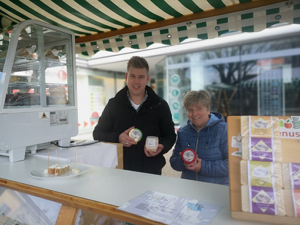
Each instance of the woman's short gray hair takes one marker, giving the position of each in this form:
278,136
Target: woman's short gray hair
194,97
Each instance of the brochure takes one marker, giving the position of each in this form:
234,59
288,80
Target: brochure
170,209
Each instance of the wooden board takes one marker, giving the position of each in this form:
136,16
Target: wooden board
67,215
120,155
290,153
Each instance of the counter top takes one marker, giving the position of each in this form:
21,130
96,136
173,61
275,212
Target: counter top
115,187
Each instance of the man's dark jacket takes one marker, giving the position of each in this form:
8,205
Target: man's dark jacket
153,119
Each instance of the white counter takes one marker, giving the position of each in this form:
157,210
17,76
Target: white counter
115,187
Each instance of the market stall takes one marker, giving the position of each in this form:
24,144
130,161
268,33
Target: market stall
49,105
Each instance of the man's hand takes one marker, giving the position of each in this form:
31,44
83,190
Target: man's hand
195,166
125,139
151,153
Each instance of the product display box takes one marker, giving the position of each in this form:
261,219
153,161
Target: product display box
290,143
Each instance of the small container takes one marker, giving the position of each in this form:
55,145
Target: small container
136,134
152,143
188,156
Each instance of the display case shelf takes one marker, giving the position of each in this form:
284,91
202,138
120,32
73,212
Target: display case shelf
27,63
23,85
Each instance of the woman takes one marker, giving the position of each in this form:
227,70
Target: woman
206,134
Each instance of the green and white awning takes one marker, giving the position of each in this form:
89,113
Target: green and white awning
253,20
114,24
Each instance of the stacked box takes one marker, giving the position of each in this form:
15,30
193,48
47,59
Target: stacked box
261,172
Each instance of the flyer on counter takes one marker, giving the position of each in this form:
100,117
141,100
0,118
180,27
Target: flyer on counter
170,209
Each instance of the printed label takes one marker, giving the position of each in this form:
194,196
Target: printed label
262,200
290,128
296,201
236,142
260,173
261,149
136,134
188,156
295,175
151,142
58,118
261,126
236,153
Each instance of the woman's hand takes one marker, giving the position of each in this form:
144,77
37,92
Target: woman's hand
194,166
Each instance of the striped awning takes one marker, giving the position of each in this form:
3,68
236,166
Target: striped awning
112,25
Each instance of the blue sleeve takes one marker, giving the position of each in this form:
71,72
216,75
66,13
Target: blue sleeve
175,160
217,168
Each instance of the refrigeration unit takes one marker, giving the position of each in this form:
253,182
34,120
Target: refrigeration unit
37,88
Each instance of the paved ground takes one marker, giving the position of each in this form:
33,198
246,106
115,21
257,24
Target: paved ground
168,170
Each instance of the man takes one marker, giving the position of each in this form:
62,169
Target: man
137,106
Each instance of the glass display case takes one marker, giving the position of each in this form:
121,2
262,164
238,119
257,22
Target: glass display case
37,88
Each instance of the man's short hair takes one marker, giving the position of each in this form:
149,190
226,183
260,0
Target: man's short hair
138,62
194,97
